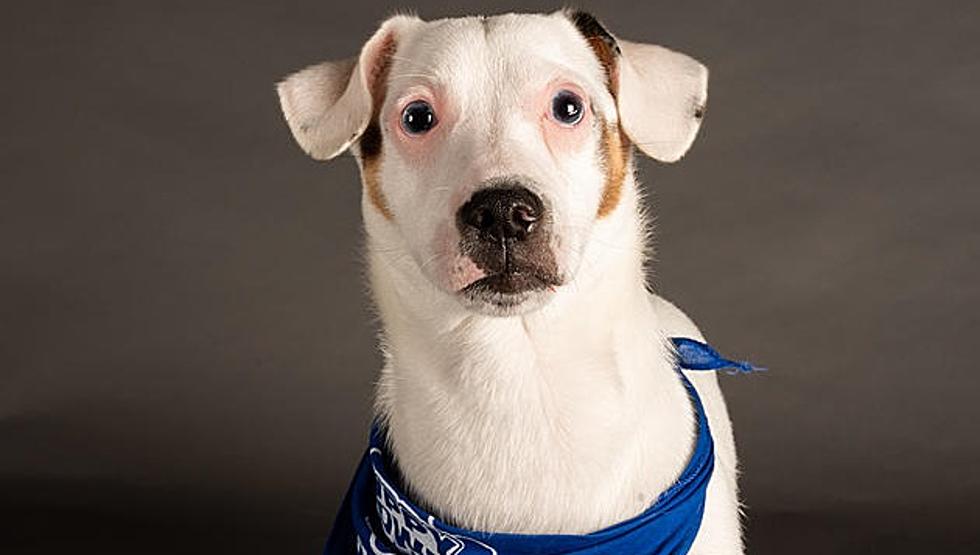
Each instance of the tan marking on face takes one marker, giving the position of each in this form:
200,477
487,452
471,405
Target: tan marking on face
615,146
371,140
610,63
371,167
615,154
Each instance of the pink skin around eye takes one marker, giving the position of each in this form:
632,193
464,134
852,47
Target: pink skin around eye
561,139
416,147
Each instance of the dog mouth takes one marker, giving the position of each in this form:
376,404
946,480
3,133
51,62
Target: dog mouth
509,288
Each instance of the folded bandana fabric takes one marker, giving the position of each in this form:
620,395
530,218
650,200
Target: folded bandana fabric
377,517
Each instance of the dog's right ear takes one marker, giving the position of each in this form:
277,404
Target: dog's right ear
328,105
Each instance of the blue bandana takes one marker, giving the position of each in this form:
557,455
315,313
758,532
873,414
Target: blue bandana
377,517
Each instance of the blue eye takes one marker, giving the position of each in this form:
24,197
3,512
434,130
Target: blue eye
567,107
418,118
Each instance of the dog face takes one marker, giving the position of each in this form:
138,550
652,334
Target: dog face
491,149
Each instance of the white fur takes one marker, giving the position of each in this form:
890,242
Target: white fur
563,415
662,90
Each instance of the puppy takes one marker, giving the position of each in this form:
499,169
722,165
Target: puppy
529,386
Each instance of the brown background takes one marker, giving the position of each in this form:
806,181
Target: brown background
187,357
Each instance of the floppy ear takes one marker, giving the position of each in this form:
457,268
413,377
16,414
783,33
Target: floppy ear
328,105
661,98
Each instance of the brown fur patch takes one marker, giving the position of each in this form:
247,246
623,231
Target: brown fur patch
370,144
609,58
615,147
602,43
615,154
370,167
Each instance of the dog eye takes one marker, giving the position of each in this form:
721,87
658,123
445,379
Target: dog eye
418,118
567,107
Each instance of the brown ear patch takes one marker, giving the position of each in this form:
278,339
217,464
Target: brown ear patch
370,145
603,44
614,150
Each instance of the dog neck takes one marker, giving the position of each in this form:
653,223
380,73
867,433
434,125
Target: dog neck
564,420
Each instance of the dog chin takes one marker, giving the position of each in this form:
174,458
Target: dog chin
510,294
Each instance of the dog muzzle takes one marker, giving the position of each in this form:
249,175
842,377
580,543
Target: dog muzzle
378,518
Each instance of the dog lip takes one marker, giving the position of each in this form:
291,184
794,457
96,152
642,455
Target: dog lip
511,282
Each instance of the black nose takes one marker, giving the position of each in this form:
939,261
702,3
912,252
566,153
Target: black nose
500,213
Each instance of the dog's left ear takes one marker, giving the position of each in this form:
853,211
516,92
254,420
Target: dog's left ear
661,94
662,98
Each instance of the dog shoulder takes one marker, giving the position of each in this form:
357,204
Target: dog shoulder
722,531
673,321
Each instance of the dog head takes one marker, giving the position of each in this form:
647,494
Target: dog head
492,149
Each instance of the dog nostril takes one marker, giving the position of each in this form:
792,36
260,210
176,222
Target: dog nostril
525,217
481,219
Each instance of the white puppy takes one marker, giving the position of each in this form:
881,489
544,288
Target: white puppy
529,386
